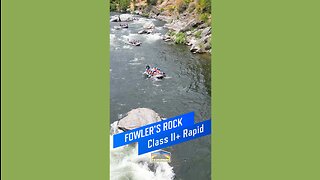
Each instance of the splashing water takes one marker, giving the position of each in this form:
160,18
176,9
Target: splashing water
126,164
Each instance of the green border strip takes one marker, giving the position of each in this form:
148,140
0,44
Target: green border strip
55,78
55,102
266,90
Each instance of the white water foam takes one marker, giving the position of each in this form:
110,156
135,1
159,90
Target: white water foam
135,61
150,38
159,28
112,39
141,21
126,164
127,47
134,64
130,37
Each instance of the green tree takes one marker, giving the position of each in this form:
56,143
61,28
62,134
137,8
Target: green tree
204,6
124,4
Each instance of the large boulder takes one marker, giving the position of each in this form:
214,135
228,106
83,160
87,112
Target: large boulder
126,17
165,18
137,118
137,12
191,24
166,38
198,47
183,25
191,40
115,18
148,25
175,25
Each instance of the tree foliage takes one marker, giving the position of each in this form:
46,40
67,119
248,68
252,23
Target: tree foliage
180,38
119,5
204,6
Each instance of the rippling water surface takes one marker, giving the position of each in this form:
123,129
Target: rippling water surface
186,88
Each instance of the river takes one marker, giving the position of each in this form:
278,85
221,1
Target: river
186,88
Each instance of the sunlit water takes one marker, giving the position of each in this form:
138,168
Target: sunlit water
186,88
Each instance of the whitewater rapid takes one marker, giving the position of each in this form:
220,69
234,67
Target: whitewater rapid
126,164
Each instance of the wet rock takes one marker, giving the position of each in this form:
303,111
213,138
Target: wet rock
117,27
137,12
148,25
137,118
198,47
194,48
166,38
145,31
126,17
115,18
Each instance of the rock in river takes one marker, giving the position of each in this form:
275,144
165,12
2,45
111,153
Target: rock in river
126,17
148,25
115,18
137,118
144,31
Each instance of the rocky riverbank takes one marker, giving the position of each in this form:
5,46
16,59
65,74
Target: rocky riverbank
186,23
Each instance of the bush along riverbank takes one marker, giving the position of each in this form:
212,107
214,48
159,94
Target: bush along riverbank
188,21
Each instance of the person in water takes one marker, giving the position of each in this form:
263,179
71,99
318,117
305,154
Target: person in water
148,69
153,71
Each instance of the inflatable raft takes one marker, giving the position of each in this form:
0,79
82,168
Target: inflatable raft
154,73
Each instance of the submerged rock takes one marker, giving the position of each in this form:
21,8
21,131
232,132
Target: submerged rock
144,31
137,118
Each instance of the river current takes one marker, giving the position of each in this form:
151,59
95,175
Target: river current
186,88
